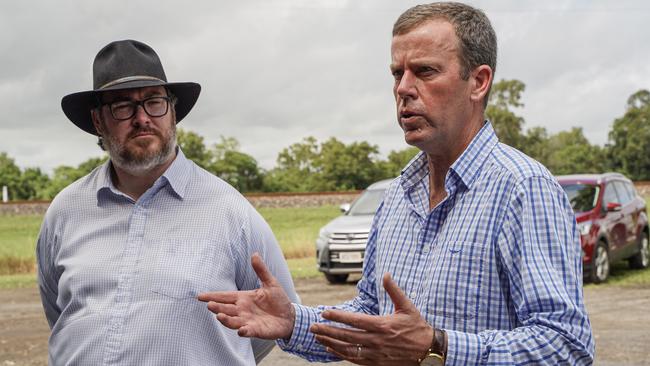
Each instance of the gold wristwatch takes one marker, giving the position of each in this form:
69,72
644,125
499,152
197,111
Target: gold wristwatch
436,355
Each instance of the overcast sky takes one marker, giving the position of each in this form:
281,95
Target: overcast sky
274,72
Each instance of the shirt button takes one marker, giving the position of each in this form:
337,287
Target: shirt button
425,250
413,295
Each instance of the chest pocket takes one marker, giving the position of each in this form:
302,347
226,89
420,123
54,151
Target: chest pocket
456,278
183,268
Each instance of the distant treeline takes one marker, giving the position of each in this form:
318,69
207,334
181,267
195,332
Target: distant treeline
313,166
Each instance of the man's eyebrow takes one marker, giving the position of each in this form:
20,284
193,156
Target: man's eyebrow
154,94
124,98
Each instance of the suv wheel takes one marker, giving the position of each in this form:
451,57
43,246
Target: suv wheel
600,265
336,278
642,258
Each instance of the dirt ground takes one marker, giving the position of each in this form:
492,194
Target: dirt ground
620,318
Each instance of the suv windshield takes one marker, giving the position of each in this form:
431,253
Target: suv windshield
367,203
583,197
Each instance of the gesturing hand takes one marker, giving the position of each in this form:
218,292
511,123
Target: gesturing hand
264,313
397,339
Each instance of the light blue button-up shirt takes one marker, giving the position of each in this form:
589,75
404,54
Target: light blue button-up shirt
497,264
119,278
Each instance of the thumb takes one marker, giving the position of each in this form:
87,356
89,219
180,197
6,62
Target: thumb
400,300
262,271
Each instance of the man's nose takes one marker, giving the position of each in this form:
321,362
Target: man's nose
141,115
405,88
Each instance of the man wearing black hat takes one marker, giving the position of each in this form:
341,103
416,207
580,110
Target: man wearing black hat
124,251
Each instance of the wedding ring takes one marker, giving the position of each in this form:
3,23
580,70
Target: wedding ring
359,351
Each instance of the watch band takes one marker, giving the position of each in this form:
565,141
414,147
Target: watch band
437,353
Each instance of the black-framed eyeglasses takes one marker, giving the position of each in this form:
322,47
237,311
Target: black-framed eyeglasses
126,109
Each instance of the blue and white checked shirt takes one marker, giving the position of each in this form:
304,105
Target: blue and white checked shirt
119,278
497,264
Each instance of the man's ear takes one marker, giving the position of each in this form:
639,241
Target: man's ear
94,114
481,78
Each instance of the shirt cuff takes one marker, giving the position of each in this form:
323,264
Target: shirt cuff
301,339
463,348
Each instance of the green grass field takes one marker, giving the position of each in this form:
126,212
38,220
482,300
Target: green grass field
18,242
297,228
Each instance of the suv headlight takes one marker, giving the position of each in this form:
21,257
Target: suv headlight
584,227
323,234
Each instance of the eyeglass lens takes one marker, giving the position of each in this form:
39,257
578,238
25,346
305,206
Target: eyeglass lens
154,107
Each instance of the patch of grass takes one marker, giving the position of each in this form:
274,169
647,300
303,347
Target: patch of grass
622,275
303,268
297,228
18,281
17,243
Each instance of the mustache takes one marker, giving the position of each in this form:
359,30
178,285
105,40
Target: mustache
140,130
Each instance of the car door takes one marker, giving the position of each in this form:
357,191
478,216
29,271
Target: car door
613,221
629,213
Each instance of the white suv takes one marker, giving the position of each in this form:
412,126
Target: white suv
342,242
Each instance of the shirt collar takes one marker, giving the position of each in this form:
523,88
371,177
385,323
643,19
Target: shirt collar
463,171
177,176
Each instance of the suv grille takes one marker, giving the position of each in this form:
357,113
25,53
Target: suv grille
348,238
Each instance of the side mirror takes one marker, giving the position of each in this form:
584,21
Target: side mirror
613,206
345,207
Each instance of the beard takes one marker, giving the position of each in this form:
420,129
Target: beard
139,160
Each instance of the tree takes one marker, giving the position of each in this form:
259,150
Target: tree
193,147
65,175
235,167
570,152
536,144
10,176
504,95
345,167
331,166
629,139
396,161
33,184
295,169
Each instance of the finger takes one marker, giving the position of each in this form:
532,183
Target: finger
245,331
231,322
262,271
226,297
227,309
370,323
399,298
351,336
347,351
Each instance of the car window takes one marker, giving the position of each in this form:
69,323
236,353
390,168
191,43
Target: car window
367,203
623,193
630,189
583,197
610,195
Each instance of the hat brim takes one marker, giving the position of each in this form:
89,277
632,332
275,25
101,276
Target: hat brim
77,106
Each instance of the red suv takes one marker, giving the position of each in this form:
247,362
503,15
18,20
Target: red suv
612,221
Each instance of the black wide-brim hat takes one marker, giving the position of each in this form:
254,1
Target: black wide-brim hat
121,65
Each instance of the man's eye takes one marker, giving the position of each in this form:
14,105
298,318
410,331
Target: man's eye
397,74
426,70
121,106
154,102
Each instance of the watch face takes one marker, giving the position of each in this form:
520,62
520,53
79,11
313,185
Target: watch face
432,360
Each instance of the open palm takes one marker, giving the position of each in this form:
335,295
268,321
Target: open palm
264,313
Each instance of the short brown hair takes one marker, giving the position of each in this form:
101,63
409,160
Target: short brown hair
477,39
